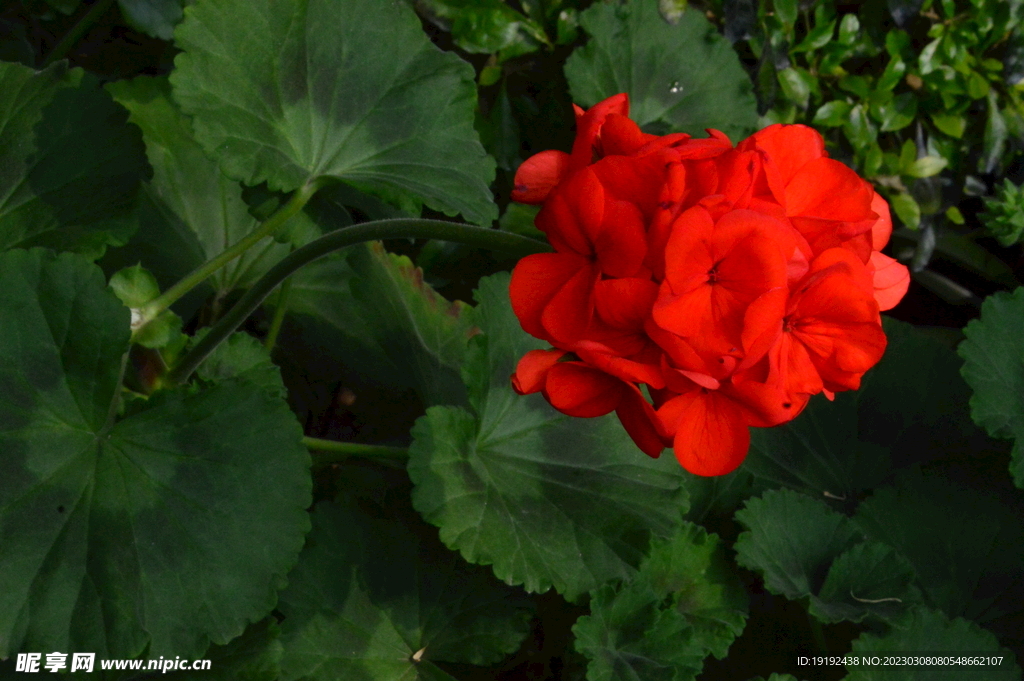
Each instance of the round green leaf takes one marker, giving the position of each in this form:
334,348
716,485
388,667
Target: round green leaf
546,499
924,632
792,540
684,604
190,210
69,166
868,579
370,599
169,529
994,368
684,75
295,91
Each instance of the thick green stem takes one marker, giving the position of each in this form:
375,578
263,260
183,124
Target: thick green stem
280,310
332,451
201,273
370,231
98,9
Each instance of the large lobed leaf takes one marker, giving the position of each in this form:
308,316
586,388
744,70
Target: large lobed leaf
684,76
685,603
170,528
994,368
295,91
548,500
69,166
371,600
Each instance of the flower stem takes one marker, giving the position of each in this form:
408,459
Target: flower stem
299,199
415,228
280,310
98,9
333,451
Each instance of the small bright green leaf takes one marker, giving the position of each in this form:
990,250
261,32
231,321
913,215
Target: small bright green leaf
242,356
370,599
685,603
685,75
868,579
994,140
894,72
994,368
160,332
848,29
897,42
134,286
796,85
70,166
484,26
352,90
954,215
926,166
817,37
394,327
672,10
977,85
169,529
924,631
898,113
791,539
786,11
833,114
154,17
859,129
976,576
548,500
906,209
190,210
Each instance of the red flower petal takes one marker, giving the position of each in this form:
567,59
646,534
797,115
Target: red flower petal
828,190
641,422
576,389
625,303
532,370
711,435
891,280
790,147
538,175
536,279
567,315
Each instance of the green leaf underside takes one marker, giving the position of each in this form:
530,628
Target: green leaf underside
393,327
546,499
684,604
326,102
910,408
994,368
190,210
368,595
171,528
69,166
967,547
684,75
923,632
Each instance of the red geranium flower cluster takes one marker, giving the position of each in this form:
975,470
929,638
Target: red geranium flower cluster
734,282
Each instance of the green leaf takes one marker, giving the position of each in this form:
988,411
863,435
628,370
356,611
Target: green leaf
547,499
353,90
502,138
71,167
370,599
833,114
134,286
817,37
190,211
951,124
975,576
153,17
994,140
859,129
786,11
849,27
169,529
868,579
685,603
923,631
899,112
791,540
393,327
253,656
926,166
796,85
994,368
242,356
684,75
906,209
